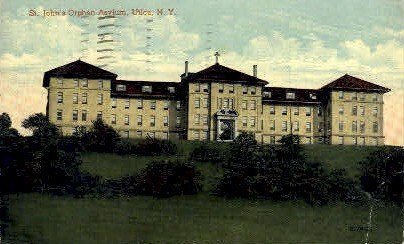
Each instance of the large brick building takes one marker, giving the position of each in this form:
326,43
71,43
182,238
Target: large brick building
216,103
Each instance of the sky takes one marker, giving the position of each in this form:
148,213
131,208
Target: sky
303,44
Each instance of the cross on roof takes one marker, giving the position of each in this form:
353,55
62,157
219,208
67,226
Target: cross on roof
217,57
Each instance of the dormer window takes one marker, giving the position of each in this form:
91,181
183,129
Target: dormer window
120,87
267,94
171,89
147,89
290,95
313,96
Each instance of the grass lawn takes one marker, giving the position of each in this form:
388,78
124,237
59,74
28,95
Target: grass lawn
201,218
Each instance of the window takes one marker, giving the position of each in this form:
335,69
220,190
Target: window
205,102
341,110
354,140
375,127
284,126
75,115
140,104
319,112
296,110
308,111
99,115
231,88
197,103
127,103
308,140
221,88
354,126
272,139
197,118
139,133
147,89
75,98
165,120
113,119
362,110
204,135
126,120
374,141
341,95
308,127
139,120
153,104
113,102
374,111
266,94
171,89
197,88
100,85
244,90
60,81
196,135
253,104
120,87
313,96
166,103
361,141
205,119
84,83
152,121
253,90
165,135
361,96
272,110
178,122
355,110
244,120
296,126
99,99
341,126
244,104
76,83
362,127
272,125
340,140
252,122
290,95
204,87
125,134
151,134
84,98
225,103
284,110
375,97
84,115
231,101
354,98
60,97
178,105
59,114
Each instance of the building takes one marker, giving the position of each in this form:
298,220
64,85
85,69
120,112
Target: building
216,103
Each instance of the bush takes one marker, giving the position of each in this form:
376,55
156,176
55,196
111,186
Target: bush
158,179
206,153
100,138
154,147
124,148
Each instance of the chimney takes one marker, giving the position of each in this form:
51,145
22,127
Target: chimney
186,68
255,70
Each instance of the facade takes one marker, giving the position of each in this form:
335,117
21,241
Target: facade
216,103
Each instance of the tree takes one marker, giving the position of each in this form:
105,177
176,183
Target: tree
101,137
5,127
41,127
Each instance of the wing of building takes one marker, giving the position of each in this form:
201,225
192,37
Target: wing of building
216,103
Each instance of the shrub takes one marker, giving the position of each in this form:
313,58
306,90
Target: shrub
100,138
206,153
153,147
124,148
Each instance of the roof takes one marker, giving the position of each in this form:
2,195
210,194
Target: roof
348,82
77,69
218,72
134,89
278,95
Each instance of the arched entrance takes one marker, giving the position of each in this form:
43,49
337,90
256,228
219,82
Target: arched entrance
226,124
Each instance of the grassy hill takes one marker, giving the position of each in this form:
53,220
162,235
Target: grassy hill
200,218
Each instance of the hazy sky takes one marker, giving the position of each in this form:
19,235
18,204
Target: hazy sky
294,43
